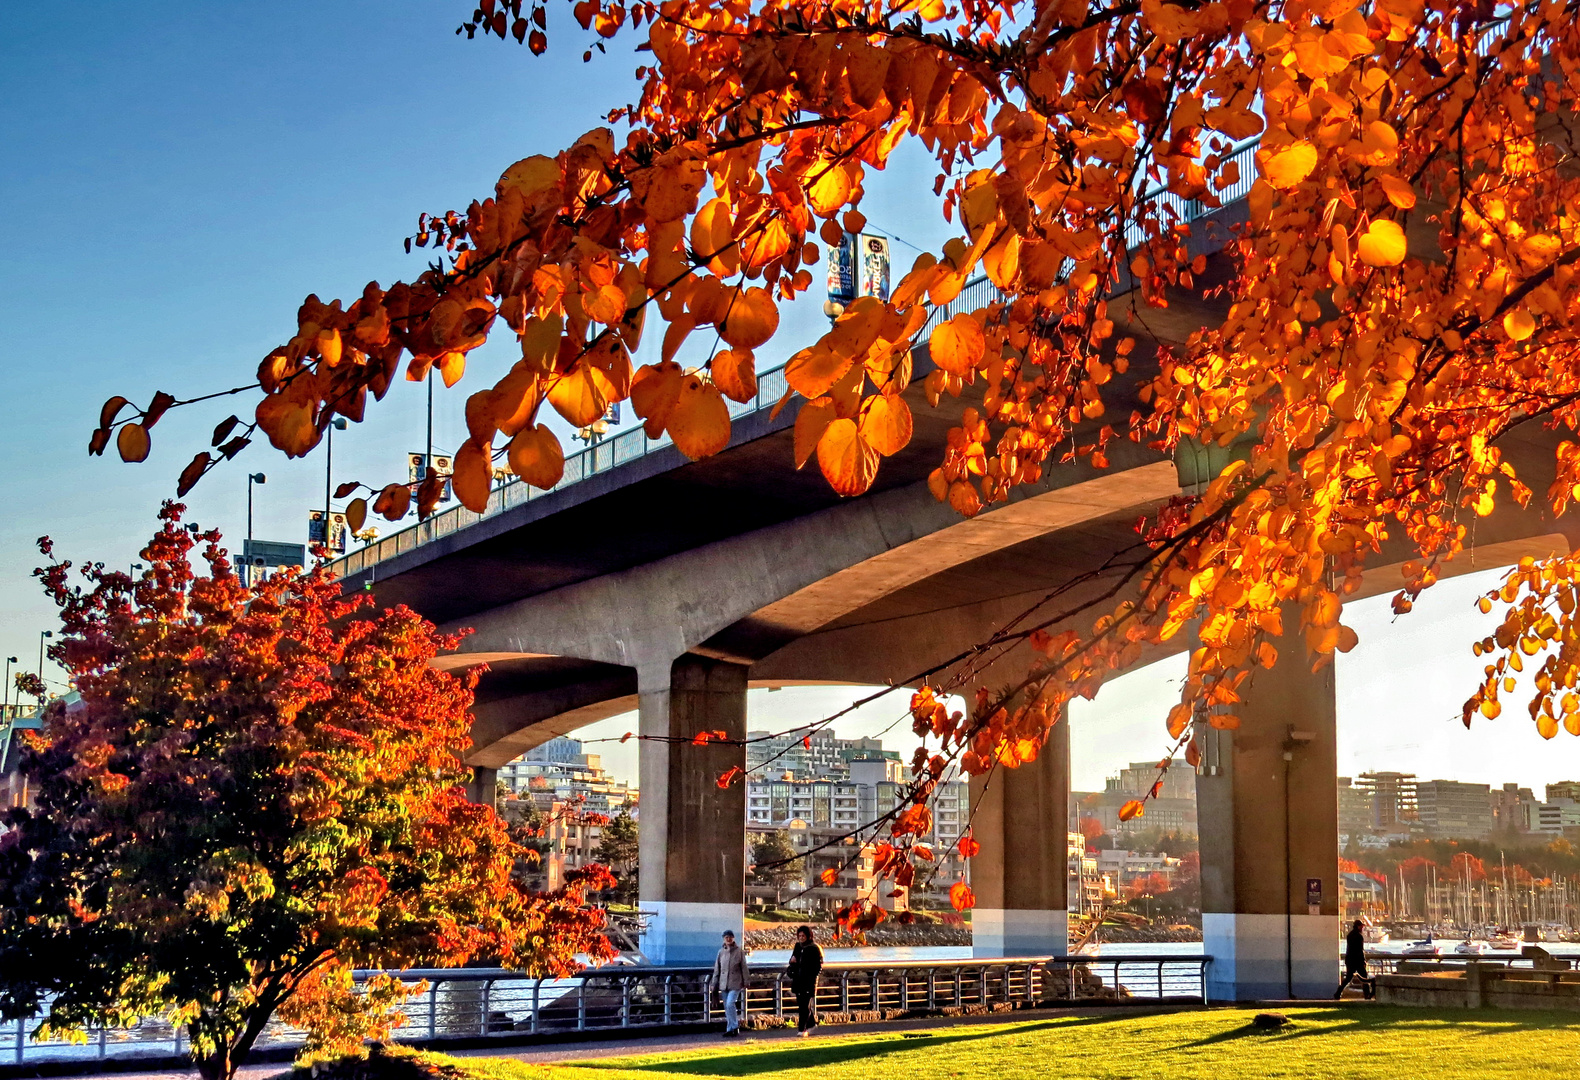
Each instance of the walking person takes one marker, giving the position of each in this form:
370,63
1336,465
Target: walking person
1355,961
729,975
806,963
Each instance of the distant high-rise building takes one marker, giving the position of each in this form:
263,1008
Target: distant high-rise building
1355,809
1392,797
819,755
1448,808
1565,791
1508,808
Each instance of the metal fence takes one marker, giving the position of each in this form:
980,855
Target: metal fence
493,1003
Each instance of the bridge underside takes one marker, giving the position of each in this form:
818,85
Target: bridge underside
671,587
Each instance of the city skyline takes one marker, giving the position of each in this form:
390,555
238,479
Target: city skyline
1399,694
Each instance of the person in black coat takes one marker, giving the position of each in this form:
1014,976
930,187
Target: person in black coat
1355,960
806,963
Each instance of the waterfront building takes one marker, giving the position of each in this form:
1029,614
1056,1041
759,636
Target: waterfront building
819,755
1449,808
1508,807
1393,803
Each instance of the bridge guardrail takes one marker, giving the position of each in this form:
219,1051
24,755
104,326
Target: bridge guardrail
473,1003
630,445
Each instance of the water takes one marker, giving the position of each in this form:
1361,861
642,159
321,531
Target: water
872,954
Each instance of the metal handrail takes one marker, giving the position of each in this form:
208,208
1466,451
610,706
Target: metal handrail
496,1003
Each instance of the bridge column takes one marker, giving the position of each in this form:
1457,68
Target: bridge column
1267,810
1021,877
692,833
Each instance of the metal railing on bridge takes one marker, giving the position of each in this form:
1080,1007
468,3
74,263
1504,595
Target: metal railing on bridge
630,445
494,1003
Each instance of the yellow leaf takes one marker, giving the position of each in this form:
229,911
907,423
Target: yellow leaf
1287,167
886,423
957,345
848,463
473,477
829,191
700,421
393,502
1382,244
536,456
356,514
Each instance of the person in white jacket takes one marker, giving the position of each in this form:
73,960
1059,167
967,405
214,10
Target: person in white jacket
729,975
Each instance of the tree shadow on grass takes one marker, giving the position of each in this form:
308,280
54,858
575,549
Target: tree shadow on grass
816,1055
1340,1020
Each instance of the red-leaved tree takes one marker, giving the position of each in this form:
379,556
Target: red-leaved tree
259,791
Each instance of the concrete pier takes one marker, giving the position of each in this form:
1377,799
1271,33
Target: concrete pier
1267,808
1020,817
692,833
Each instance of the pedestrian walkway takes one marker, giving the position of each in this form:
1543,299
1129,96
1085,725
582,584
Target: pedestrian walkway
640,1045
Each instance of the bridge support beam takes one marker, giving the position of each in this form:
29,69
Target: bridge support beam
1021,879
692,833
1267,808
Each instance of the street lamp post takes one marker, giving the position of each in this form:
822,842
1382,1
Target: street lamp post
252,478
5,702
42,634
329,465
136,566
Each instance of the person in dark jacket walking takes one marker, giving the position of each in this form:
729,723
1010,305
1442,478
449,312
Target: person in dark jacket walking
1355,961
806,963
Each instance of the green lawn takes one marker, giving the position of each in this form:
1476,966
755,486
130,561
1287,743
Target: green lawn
1361,1042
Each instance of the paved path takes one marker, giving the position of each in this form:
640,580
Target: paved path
570,1052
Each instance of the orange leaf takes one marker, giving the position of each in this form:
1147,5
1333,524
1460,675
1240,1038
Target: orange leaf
957,345
132,442
654,391
810,423
536,456
961,897
606,305
1131,810
730,776
393,502
576,396
886,423
849,464
813,370
473,477
752,319
735,374
967,846
700,421
829,876
356,514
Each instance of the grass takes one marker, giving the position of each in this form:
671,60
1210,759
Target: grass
1350,1043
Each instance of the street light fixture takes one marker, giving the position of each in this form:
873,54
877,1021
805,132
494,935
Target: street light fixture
42,634
252,478
5,702
339,423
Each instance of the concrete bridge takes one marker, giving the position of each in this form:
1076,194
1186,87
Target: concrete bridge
652,582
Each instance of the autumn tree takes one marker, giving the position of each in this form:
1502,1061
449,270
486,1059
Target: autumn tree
258,792
1394,301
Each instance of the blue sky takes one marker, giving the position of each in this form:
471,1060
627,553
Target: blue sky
178,176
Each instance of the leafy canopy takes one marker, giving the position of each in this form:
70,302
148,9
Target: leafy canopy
1397,300
258,792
